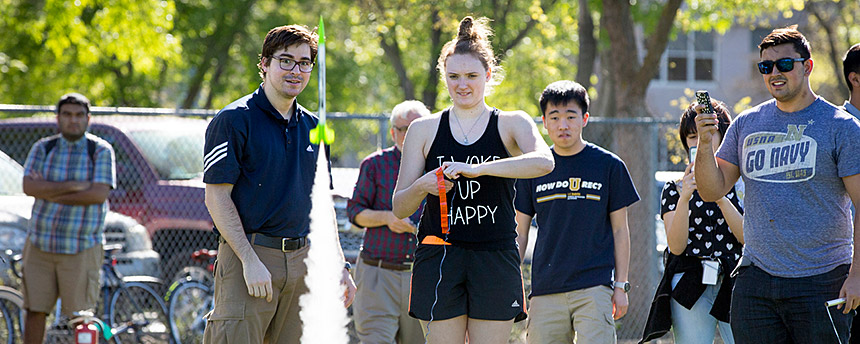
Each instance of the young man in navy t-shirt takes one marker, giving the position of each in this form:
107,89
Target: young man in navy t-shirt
581,211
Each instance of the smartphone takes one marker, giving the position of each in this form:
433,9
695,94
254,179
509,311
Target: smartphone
693,158
703,98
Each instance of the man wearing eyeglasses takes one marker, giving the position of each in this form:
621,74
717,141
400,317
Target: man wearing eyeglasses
384,269
799,156
259,168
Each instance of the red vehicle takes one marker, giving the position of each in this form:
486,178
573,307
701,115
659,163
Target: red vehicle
159,166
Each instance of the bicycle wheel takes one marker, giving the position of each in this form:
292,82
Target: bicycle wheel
138,306
7,326
11,302
189,301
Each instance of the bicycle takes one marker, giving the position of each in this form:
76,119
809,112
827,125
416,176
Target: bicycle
11,311
189,299
11,302
201,267
130,305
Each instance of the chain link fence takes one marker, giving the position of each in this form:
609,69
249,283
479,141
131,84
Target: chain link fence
159,162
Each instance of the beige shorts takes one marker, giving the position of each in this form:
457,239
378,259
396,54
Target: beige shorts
74,278
585,314
241,318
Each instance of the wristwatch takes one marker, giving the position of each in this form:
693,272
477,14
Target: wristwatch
623,285
347,266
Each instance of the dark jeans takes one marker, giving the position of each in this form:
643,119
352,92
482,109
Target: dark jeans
770,309
855,330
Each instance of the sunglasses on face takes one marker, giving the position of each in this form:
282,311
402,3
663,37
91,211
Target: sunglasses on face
783,65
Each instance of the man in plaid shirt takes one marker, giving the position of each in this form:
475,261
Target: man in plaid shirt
384,269
70,175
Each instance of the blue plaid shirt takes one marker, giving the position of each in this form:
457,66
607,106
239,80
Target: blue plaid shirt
69,229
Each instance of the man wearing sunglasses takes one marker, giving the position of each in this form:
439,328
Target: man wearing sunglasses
259,168
799,157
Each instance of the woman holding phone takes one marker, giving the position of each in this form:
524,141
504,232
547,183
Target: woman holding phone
705,243
466,276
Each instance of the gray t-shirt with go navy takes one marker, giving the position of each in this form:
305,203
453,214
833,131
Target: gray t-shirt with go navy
797,221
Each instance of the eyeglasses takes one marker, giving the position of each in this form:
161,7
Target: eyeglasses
289,64
401,129
783,65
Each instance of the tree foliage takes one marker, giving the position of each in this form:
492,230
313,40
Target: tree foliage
834,31
114,50
203,54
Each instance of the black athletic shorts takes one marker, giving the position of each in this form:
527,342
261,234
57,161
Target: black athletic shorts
486,285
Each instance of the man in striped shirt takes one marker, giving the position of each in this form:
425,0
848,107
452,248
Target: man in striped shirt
70,175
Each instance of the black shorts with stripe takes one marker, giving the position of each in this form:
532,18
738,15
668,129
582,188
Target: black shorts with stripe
486,285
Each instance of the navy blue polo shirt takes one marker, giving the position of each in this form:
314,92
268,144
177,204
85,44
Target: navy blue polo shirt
269,160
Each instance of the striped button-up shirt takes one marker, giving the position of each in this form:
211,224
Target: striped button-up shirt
374,190
69,229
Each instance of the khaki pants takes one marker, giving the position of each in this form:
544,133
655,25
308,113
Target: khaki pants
585,314
241,318
381,308
74,278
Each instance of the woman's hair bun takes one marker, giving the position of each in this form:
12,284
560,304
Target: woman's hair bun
466,33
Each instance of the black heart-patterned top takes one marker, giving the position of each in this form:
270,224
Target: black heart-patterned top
709,235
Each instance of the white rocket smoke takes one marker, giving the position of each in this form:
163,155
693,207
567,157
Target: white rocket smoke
322,312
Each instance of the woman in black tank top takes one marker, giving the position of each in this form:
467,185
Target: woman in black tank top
481,151
480,209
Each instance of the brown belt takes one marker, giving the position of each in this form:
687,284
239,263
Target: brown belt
385,265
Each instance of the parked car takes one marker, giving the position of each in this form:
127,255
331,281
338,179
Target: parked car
159,162
351,237
136,258
159,176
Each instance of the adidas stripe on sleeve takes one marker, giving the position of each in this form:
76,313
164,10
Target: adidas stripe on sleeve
220,162
215,155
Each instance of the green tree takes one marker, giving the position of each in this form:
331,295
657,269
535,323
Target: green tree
833,33
114,51
210,29
411,34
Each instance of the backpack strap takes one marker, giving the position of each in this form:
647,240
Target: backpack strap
91,148
49,146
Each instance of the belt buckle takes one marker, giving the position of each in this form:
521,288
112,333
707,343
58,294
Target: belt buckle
283,244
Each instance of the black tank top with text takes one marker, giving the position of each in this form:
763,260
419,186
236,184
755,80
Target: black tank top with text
480,210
